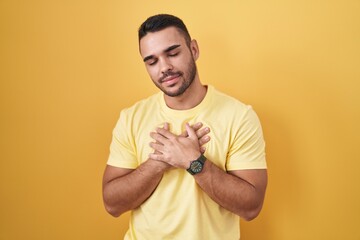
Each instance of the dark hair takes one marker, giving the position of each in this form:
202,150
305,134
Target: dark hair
161,21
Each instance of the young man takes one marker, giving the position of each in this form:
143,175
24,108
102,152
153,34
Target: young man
188,161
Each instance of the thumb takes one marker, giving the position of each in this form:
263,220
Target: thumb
190,131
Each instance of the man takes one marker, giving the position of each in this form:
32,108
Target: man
188,161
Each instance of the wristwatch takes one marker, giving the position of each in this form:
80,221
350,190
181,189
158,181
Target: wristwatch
197,165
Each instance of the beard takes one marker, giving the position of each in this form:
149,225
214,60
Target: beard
188,78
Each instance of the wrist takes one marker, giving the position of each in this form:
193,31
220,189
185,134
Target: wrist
196,166
158,166
188,159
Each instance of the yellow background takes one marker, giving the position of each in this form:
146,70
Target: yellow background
68,67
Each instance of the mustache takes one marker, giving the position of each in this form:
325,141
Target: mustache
168,74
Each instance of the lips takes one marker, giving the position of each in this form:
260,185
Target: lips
170,79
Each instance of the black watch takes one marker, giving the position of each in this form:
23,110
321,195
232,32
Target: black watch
197,165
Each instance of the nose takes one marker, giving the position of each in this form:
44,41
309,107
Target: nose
166,66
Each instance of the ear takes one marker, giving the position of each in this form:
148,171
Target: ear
194,48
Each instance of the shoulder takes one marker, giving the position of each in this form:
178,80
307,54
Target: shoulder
143,106
227,109
229,103
139,111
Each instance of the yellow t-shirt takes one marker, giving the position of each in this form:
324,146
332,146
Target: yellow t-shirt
178,208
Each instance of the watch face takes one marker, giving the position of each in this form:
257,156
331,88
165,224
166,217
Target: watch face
196,166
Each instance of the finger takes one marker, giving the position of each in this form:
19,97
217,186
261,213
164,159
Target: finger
158,137
157,147
166,126
184,134
202,150
190,131
164,132
204,140
202,132
195,126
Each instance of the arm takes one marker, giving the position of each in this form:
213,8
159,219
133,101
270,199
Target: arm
241,192
126,189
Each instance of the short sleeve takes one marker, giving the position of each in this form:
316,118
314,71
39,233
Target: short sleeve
122,147
247,149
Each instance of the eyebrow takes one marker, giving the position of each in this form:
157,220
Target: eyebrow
166,50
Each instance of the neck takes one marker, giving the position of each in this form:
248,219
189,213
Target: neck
189,99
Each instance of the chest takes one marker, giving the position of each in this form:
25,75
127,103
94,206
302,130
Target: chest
216,149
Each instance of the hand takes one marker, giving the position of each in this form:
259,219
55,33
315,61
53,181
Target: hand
175,150
163,165
201,134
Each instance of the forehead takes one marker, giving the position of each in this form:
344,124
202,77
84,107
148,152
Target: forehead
154,43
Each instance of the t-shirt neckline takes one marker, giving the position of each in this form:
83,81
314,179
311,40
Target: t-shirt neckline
188,112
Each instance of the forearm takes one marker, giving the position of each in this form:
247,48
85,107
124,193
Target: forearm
129,191
241,192
231,192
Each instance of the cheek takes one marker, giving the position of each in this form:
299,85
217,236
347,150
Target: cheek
183,63
152,73
150,70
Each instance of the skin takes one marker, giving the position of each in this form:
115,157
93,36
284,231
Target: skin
170,63
126,189
159,60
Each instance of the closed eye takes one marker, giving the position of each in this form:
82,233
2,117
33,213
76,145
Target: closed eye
173,54
152,63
